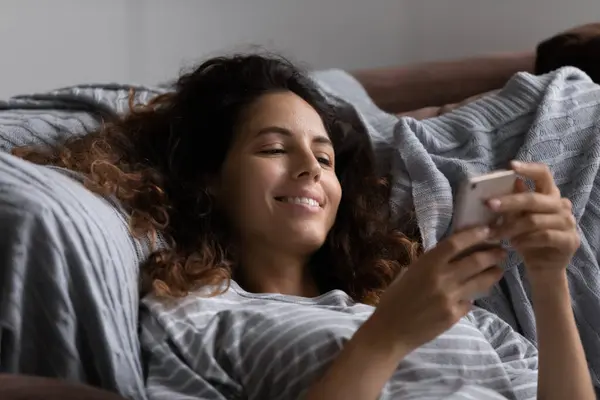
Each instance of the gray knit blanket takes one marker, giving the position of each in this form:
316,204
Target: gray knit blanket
86,307
552,119
69,266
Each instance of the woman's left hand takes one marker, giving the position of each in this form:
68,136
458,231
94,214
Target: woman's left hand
540,224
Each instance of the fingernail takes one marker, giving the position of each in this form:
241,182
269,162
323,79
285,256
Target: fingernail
485,231
516,164
494,204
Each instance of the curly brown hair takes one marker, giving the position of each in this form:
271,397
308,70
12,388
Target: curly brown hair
157,161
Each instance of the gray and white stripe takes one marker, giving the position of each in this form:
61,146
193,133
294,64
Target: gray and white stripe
257,346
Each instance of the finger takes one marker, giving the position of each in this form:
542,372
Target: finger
520,186
449,248
540,174
518,225
466,268
568,240
480,283
525,202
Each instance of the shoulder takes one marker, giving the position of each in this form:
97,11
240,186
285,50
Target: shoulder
188,316
207,300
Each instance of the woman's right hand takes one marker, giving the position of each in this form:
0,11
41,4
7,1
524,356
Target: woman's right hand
426,300
435,291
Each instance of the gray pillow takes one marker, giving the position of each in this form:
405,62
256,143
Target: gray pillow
68,281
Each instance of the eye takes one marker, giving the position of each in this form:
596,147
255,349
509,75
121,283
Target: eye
272,151
324,160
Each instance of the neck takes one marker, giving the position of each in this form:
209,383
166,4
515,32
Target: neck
274,272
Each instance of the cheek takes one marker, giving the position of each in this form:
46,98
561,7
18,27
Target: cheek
249,186
335,195
260,177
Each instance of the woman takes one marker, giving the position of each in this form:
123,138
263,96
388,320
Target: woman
276,225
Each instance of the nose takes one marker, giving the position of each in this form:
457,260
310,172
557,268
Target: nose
307,167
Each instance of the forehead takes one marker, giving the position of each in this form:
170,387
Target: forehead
283,109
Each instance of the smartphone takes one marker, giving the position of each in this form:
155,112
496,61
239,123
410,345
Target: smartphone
471,209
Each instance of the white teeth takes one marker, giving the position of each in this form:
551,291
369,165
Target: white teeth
301,200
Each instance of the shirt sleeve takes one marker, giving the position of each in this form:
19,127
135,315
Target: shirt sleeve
518,355
168,375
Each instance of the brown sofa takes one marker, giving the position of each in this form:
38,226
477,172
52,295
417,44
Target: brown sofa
20,387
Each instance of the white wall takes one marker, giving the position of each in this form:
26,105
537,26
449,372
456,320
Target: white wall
454,28
51,43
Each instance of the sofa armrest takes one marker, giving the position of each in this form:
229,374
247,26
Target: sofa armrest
411,87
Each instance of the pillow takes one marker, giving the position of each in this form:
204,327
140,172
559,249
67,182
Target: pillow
68,281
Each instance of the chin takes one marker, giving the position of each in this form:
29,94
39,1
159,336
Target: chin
309,236
313,245
308,242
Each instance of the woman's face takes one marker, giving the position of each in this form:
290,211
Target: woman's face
278,185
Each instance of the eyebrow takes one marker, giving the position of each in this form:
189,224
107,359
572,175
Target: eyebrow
286,132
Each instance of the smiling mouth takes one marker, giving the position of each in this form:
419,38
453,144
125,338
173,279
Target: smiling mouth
307,201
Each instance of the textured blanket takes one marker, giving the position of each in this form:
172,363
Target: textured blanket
549,119
68,263
46,118
553,119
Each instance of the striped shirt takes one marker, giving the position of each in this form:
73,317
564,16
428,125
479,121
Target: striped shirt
242,345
